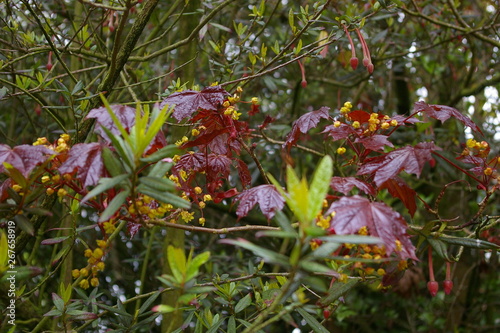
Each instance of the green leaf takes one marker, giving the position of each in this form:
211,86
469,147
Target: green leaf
25,224
104,185
267,255
145,306
319,186
470,242
113,309
315,325
164,308
194,265
338,289
440,247
314,267
276,234
111,163
160,169
114,205
351,239
214,328
231,325
77,88
58,302
177,262
164,197
243,303
122,148
160,154
158,184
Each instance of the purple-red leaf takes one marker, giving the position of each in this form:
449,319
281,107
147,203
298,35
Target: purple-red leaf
244,173
218,166
126,116
268,198
410,159
305,123
189,101
353,213
339,133
86,160
24,157
399,189
190,162
346,184
374,142
443,113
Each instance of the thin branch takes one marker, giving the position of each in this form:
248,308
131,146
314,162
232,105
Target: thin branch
222,231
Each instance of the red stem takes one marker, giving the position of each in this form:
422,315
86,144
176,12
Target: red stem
457,167
431,269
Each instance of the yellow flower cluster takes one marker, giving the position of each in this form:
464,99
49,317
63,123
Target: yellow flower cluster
95,265
373,122
183,140
346,108
231,111
146,205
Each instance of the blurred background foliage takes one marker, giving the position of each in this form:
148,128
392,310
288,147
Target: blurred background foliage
56,56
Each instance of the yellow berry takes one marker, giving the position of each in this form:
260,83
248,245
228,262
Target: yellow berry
61,192
337,124
84,272
75,273
100,266
488,171
201,221
202,204
17,188
198,190
101,243
56,178
381,271
84,284
394,122
356,124
94,282
45,179
385,125
341,150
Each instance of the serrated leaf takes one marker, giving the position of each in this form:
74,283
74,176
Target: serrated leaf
304,123
268,198
353,213
243,303
188,102
114,205
23,158
410,159
345,184
86,160
443,113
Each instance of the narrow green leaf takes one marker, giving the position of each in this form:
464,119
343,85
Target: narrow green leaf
111,163
25,224
214,328
123,149
160,169
167,151
195,264
165,197
314,267
158,184
470,242
440,247
115,119
276,234
113,309
177,262
231,325
351,239
338,289
58,302
145,306
77,88
114,205
267,255
319,186
315,325
104,185
243,303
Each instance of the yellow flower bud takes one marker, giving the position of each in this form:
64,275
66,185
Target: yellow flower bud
198,190
84,272
394,122
84,284
100,266
87,253
75,273
488,171
45,179
337,124
201,221
61,192
341,150
94,282
356,124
